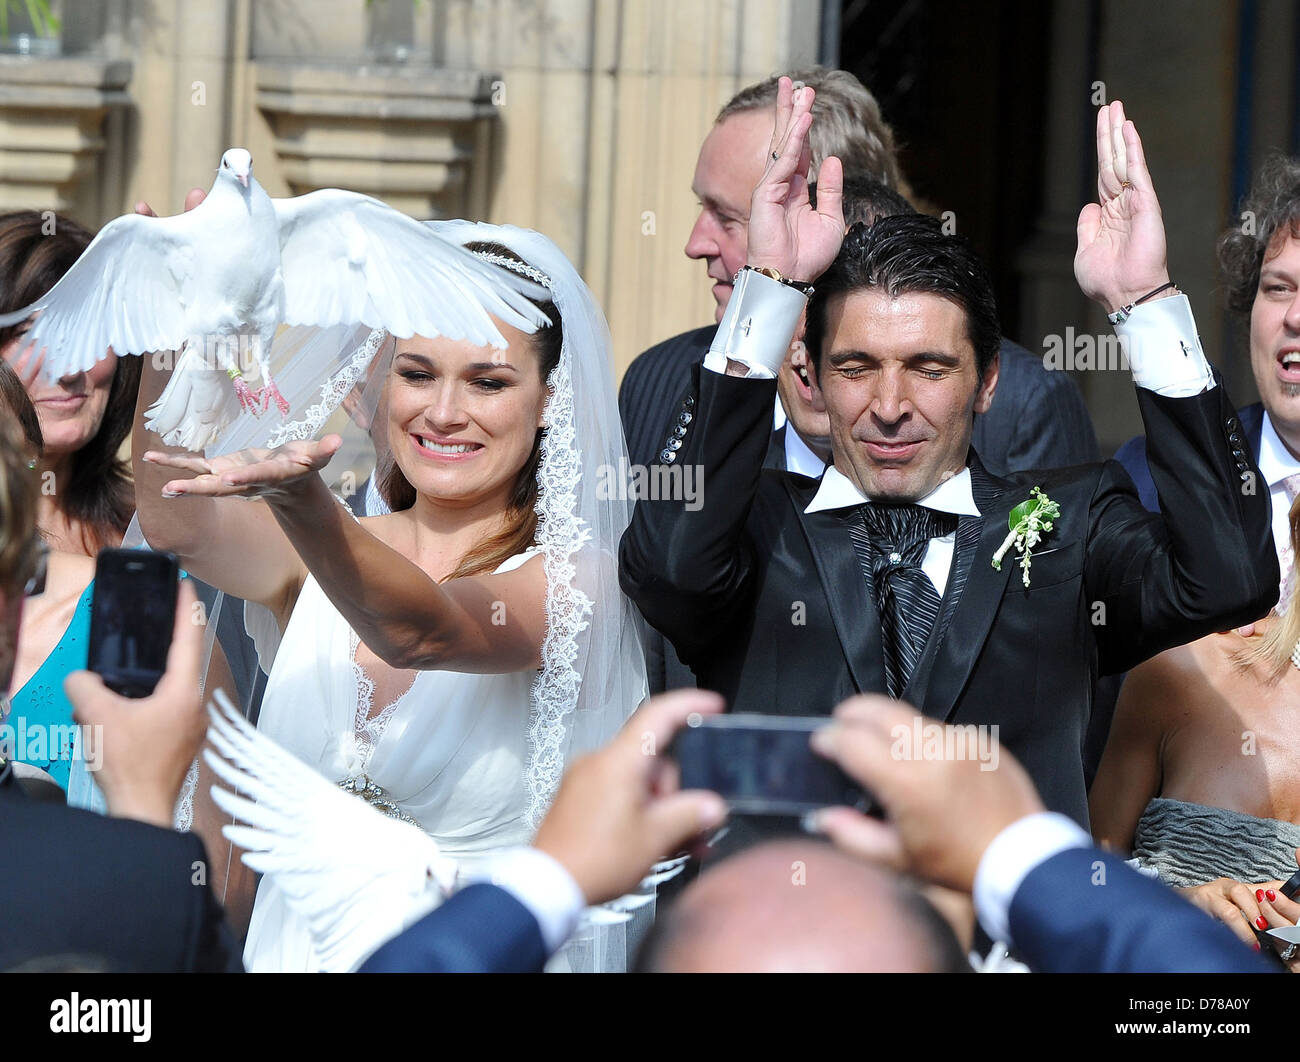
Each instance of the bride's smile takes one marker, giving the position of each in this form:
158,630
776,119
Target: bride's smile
463,419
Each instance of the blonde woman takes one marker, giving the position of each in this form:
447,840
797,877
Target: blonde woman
1200,780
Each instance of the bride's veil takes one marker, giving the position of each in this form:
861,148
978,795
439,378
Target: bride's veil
593,671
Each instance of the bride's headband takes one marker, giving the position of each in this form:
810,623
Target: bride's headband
522,268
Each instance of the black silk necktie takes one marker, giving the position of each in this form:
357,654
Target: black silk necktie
891,541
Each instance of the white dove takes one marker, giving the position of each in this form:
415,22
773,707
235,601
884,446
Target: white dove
240,264
358,876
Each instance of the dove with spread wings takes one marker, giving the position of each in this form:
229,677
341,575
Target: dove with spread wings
354,869
216,282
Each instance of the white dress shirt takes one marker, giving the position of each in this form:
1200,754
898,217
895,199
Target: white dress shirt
798,457
1159,337
1275,465
951,496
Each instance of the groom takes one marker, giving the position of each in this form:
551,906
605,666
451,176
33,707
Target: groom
788,594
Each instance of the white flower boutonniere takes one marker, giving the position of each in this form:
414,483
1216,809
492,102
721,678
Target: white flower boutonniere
1029,522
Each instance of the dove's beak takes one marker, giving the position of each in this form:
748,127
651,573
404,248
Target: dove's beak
242,178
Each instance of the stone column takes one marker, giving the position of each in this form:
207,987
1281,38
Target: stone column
603,107
52,115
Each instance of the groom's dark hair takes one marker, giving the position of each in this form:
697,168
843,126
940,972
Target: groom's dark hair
910,253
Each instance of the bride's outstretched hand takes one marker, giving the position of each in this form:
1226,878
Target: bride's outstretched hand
1121,254
786,232
269,474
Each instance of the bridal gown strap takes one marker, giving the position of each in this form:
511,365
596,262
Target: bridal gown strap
449,753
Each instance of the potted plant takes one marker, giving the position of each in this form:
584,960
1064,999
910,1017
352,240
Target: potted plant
28,27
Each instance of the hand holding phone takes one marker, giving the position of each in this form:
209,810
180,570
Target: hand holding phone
132,613
146,745
763,765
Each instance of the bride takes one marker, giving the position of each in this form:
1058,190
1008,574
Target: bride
443,660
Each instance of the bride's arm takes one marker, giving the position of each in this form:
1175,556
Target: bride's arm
233,544
484,624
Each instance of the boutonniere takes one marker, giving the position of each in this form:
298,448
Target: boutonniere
1029,522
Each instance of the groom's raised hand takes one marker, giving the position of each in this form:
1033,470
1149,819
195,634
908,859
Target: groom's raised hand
1121,254
786,232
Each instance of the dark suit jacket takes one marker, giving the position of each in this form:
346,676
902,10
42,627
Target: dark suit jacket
1133,454
1085,911
110,892
768,605
1037,420
481,929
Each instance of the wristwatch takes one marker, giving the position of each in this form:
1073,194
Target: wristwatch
804,289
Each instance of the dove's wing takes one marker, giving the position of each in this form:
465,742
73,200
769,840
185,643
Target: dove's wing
357,876
347,259
129,290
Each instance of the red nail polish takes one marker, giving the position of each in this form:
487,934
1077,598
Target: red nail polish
1262,922
1256,943
1271,895
1259,895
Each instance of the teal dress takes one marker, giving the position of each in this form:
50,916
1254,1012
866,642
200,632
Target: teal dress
41,714
43,732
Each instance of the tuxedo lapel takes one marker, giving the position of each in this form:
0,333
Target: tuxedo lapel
848,591
971,602
969,531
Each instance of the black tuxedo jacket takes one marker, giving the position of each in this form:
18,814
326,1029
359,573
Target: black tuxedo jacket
1133,454
768,605
81,888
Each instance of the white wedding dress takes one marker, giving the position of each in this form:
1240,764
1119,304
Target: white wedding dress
450,753
473,760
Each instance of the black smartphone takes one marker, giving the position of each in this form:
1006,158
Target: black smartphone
763,765
132,612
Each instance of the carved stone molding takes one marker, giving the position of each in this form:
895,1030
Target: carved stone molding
414,136
52,141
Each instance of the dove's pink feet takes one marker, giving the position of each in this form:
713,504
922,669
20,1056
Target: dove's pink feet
257,402
247,399
273,392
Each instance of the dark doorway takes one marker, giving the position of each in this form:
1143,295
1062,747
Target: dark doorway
963,85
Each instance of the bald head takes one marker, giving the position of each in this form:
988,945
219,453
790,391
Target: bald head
801,906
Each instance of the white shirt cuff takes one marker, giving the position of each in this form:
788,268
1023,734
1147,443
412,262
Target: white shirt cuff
1164,350
757,326
1006,863
541,884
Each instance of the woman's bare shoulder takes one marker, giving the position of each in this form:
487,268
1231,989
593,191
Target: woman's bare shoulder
68,572
1175,682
